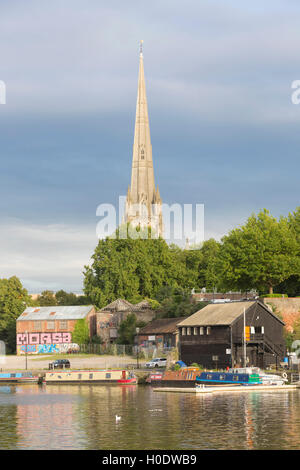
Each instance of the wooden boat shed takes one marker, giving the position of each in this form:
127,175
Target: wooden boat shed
214,336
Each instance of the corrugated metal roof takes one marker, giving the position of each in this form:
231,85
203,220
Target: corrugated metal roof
217,314
55,313
160,326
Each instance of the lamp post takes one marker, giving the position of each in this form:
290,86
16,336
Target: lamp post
137,348
26,347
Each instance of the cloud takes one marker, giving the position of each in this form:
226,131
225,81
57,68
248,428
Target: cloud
46,256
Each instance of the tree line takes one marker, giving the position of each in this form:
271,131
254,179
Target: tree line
263,254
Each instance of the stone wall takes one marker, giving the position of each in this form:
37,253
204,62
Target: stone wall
286,308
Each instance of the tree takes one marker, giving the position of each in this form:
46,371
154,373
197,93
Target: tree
68,298
127,329
208,275
13,301
259,255
291,286
177,302
129,269
47,299
81,334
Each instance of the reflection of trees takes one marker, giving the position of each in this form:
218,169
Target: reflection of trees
8,419
141,419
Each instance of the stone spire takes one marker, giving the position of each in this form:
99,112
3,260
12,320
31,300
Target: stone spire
142,193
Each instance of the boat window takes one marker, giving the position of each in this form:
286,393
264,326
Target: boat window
79,376
107,375
235,377
209,376
12,375
90,376
222,377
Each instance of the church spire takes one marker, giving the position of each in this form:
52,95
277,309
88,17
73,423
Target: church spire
142,188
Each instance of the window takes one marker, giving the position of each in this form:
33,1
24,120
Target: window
201,330
235,378
63,324
195,330
208,330
79,376
50,325
222,377
108,375
37,325
183,331
90,376
209,377
189,331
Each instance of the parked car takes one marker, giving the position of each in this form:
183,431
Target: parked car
157,362
60,364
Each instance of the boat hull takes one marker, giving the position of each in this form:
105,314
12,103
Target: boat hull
91,377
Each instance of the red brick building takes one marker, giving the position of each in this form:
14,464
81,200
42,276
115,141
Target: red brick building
44,330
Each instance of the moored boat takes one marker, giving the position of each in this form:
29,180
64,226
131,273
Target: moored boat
184,377
121,377
18,377
228,378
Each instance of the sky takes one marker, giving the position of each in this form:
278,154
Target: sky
224,130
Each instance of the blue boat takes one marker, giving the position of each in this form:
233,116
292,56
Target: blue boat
228,378
18,377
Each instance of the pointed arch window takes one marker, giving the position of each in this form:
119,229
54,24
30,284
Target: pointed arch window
142,154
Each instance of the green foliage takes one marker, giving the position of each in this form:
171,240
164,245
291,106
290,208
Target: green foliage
274,296
13,301
46,299
80,333
68,298
127,329
259,255
208,273
130,269
176,302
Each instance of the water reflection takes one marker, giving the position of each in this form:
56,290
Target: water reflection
84,417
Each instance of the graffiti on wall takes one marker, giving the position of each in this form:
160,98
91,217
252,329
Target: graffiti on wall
45,343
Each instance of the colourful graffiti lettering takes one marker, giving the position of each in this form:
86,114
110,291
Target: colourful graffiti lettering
47,348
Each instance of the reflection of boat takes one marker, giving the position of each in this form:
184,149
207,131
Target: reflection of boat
18,377
122,377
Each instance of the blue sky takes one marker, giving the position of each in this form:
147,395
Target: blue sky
224,130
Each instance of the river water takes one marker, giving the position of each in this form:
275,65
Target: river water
84,417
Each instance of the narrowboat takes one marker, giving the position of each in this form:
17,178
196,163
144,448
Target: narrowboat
228,378
120,377
18,377
184,377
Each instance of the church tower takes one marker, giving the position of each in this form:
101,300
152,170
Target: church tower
143,203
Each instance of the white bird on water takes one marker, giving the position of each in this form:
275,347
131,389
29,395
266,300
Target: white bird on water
118,418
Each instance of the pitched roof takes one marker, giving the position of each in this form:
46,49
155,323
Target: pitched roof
55,313
118,305
161,326
217,314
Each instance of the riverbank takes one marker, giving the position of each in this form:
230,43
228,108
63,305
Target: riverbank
82,361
